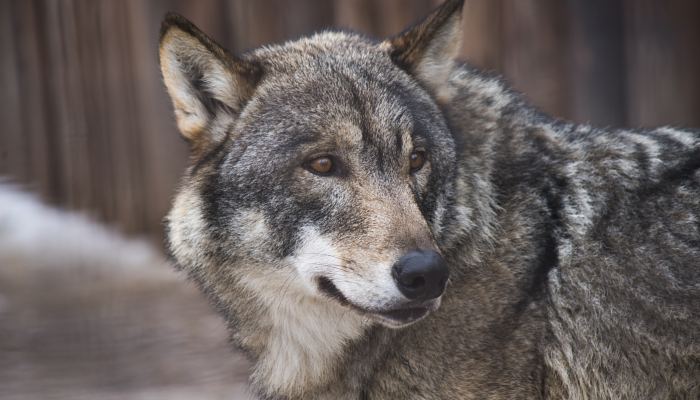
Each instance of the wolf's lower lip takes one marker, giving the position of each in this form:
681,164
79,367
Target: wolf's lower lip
405,315
398,316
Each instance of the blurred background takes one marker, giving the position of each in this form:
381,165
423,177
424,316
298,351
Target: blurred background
85,124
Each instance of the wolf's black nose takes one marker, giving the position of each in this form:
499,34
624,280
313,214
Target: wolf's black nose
421,275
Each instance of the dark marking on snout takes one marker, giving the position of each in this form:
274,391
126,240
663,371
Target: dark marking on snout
329,289
421,275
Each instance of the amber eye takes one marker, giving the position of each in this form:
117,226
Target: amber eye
417,159
321,165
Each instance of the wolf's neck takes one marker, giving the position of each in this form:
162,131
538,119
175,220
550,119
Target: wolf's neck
301,340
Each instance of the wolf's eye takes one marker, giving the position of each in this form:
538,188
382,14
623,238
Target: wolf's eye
417,159
321,165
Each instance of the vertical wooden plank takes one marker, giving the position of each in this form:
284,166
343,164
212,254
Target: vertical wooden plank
262,22
118,108
396,15
271,21
51,78
90,133
67,102
534,56
357,15
597,82
37,166
13,142
163,153
663,59
380,18
482,40
304,16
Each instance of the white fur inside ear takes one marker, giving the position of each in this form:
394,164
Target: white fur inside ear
181,57
433,68
190,113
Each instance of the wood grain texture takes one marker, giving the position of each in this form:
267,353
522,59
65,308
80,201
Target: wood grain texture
87,124
663,60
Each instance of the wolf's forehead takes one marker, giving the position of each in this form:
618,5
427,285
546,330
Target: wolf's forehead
331,99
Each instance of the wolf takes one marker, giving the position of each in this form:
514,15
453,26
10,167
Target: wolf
377,220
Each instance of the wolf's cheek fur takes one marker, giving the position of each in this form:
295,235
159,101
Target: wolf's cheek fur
363,278
315,258
185,227
305,333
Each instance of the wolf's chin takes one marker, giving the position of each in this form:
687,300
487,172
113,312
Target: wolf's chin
398,317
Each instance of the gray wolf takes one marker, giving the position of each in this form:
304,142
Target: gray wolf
376,220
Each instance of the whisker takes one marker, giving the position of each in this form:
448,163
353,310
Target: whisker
330,255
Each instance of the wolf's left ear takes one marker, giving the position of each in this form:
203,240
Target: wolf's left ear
202,78
428,49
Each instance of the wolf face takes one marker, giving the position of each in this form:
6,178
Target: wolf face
324,163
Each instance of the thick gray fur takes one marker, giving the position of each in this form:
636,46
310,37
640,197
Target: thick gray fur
573,251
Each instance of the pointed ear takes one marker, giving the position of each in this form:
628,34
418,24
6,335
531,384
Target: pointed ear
202,78
428,49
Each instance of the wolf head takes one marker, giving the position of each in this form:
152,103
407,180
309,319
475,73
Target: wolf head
321,167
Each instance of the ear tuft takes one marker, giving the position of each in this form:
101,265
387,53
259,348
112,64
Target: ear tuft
202,79
428,49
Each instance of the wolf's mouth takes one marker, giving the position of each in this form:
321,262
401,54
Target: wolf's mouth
394,318
405,315
328,288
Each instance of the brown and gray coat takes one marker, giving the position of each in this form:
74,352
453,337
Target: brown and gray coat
573,251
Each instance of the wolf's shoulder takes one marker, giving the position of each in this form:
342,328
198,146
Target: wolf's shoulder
626,294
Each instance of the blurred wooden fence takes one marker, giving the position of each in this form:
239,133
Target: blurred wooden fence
86,122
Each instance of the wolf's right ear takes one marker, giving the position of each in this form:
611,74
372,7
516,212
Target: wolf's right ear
202,78
428,49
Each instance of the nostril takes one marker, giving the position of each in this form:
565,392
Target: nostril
417,282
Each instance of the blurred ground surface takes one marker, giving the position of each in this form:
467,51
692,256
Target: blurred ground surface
87,314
